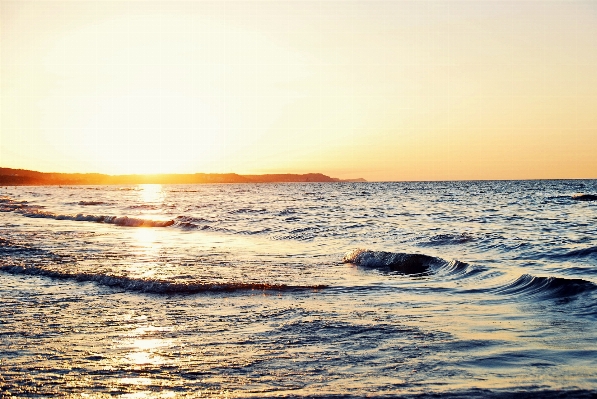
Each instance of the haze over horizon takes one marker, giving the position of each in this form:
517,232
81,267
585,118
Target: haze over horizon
410,90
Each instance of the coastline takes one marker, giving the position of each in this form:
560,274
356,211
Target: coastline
22,177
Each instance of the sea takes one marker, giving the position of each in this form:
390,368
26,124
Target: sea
463,289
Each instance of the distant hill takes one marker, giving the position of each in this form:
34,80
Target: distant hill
21,177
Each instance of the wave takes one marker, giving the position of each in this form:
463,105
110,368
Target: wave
247,210
573,254
525,285
192,226
546,287
145,207
457,269
411,263
447,239
10,248
117,220
88,203
287,211
191,221
35,211
395,262
420,264
580,253
154,286
10,205
584,197
301,234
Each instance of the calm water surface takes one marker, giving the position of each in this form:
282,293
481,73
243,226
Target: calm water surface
299,290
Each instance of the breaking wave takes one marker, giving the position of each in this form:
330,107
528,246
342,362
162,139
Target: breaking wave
33,211
153,286
411,263
117,220
396,262
525,285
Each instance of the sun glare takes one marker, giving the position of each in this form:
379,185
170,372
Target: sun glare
149,132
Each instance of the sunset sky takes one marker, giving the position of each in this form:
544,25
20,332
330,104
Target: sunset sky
396,90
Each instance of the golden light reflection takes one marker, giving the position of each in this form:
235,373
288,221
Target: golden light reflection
144,351
151,193
146,238
147,394
141,352
148,329
149,344
141,358
146,248
136,381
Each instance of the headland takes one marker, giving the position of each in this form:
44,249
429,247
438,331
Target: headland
22,177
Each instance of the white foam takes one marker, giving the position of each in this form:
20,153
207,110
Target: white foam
117,220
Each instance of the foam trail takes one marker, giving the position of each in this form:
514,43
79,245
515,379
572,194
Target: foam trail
32,211
117,220
152,286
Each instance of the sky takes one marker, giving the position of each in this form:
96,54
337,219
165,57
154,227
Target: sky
383,90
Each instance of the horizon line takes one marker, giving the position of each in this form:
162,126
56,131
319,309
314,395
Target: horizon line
332,179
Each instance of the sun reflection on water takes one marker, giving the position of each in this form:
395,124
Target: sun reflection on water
151,193
146,248
148,394
141,350
136,381
145,358
145,237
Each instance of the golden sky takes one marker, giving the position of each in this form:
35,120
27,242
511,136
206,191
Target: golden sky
394,90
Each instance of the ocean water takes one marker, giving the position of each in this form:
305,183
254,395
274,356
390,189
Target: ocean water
443,289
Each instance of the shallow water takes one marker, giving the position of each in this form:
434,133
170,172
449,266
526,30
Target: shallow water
299,289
